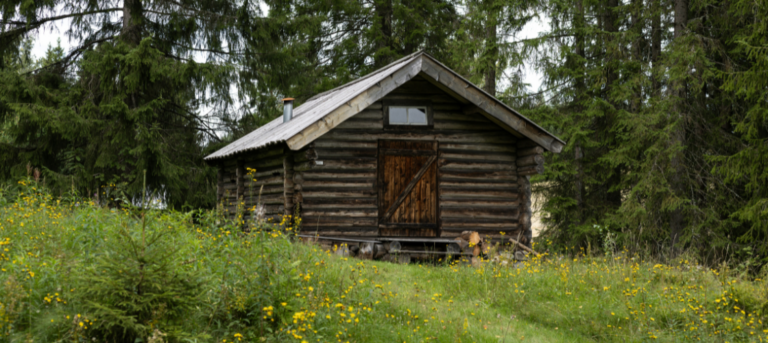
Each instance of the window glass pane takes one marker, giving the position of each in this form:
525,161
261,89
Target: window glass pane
417,116
398,116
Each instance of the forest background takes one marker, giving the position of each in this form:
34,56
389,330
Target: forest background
663,103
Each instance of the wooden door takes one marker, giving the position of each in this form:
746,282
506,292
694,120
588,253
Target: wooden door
407,182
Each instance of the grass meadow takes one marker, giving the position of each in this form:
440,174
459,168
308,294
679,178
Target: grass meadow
72,271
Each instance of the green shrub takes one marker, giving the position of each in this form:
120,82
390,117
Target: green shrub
137,284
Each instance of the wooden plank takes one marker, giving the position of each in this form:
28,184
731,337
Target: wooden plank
407,190
354,106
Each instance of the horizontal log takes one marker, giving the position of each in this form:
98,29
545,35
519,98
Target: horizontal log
448,173
531,170
407,152
338,194
261,154
470,156
374,106
477,211
462,125
480,227
478,189
475,182
407,226
339,221
333,212
440,99
450,195
457,115
345,164
432,135
323,153
340,183
369,113
530,160
320,174
369,124
481,202
526,144
265,163
325,143
315,202
449,164
454,221
506,148
537,150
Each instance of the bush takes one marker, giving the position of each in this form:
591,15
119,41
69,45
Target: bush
138,285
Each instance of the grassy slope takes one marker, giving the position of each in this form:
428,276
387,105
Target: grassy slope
260,287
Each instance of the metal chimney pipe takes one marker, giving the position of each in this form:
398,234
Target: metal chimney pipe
287,109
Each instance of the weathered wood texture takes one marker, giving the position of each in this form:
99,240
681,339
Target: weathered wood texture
269,173
476,173
407,179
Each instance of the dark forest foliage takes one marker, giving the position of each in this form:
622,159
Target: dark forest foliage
662,102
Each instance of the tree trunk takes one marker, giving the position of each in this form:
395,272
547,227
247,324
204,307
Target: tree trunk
578,98
655,47
132,15
383,9
676,220
491,48
611,80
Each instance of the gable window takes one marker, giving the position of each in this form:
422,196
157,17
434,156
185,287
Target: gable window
407,115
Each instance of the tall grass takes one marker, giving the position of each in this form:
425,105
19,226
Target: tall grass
72,271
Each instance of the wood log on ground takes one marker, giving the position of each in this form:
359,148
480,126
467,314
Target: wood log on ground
366,251
379,251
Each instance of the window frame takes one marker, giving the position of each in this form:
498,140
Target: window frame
408,103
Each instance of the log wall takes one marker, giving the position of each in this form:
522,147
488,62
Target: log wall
270,167
477,173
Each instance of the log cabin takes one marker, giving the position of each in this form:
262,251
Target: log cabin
412,152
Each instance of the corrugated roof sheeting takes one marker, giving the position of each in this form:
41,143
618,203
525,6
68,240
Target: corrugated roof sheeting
311,111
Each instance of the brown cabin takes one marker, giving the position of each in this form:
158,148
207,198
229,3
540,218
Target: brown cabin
412,151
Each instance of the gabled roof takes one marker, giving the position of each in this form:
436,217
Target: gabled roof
327,110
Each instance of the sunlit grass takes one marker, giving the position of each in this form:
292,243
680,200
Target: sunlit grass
258,286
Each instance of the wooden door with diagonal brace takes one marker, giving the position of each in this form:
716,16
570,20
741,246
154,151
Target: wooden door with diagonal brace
407,182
